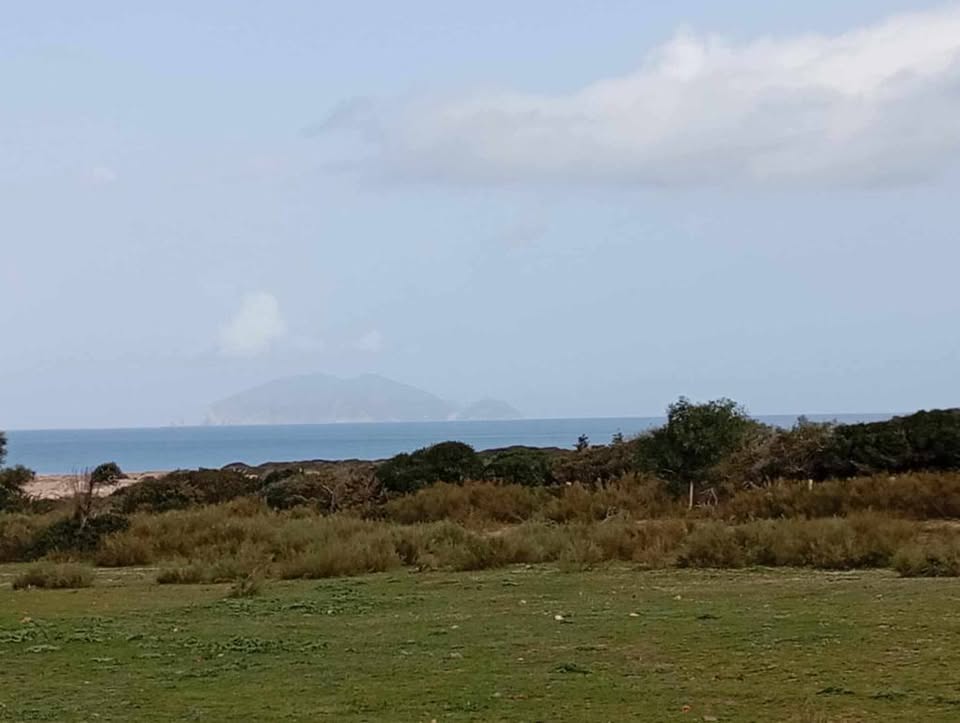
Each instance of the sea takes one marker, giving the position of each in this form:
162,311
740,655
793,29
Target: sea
65,451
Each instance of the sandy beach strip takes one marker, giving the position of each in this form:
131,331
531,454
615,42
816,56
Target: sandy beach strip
60,486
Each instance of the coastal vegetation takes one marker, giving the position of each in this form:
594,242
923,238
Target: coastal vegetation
710,488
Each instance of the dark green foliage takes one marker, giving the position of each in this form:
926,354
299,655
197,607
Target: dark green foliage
452,461
3,447
12,483
528,467
695,439
156,495
72,534
106,474
583,443
921,441
213,486
293,490
183,488
278,475
443,462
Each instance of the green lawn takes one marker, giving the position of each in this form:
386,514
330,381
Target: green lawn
733,646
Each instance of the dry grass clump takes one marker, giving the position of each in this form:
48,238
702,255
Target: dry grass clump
247,586
18,532
939,557
638,497
479,504
861,541
124,550
474,503
920,496
362,554
54,576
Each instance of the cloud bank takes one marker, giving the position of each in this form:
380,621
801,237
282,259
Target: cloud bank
256,325
873,106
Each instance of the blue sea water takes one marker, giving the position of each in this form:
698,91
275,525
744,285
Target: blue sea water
165,448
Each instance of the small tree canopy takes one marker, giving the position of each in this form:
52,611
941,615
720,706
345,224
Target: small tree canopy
105,474
13,482
3,447
696,438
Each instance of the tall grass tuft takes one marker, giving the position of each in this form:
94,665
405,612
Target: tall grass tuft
52,576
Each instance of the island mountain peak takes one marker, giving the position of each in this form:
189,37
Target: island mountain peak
324,398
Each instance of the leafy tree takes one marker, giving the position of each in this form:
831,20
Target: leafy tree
12,483
3,448
695,439
583,443
106,474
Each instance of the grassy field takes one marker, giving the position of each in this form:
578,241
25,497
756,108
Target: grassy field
523,643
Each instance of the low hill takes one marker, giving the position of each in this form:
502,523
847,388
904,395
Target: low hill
323,398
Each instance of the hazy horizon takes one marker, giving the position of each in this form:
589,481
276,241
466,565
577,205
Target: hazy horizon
583,212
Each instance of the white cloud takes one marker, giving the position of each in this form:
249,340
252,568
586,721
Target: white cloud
372,341
875,105
256,325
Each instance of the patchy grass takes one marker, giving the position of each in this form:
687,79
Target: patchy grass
521,643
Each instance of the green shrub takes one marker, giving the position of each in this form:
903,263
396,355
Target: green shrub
297,489
453,462
527,467
157,495
213,486
54,577
926,440
694,441
106,474
71,534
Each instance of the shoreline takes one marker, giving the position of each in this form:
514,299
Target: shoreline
63,486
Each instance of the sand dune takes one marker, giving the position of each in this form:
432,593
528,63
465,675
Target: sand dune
59,486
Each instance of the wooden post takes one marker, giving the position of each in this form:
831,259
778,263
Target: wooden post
691,495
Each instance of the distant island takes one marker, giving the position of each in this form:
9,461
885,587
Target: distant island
323,398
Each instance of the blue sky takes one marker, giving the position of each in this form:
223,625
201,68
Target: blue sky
582,208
